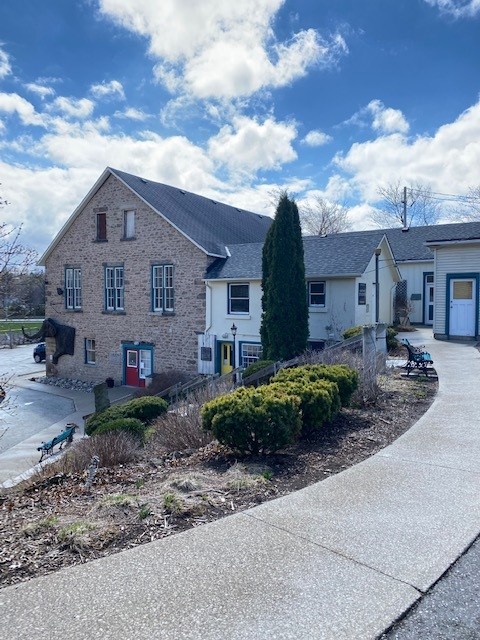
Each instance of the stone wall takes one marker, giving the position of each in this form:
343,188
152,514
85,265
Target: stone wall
155,242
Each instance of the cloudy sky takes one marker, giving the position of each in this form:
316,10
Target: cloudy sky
235,98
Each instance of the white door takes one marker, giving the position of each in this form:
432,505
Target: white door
462,307
145,363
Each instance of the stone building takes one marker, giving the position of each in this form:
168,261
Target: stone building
127,272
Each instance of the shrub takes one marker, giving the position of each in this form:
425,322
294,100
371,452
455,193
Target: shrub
392,342
112,448
145,409
257,366
162,381
98,419
351,332
345,377
319,400
253,420
132,426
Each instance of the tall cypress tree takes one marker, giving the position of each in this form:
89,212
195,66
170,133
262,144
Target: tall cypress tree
284,326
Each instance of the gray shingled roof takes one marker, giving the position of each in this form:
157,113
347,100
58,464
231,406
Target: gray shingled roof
337,255
210,224
345,253
410,245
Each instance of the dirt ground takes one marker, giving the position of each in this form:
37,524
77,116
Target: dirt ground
55,521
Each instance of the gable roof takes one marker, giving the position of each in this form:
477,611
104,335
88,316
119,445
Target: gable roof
209,224
339,255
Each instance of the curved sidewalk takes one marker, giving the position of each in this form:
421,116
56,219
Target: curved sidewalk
341,559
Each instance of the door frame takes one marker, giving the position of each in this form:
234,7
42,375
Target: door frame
426,286
461,276
136,346
220,344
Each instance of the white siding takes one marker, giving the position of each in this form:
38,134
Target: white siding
453,259
414,275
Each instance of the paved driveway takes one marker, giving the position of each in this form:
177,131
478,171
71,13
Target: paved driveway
25,412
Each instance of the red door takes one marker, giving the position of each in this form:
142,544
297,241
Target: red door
131,368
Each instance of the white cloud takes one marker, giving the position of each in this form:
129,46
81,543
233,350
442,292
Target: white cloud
316,138
113,88
132,114
13,103
446,161
40,89
457,8
5,67
387,120
214,49
249,145
73,108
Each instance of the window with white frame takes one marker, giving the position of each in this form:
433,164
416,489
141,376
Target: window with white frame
129,224
238,298
73,288
162,287
114,289
250,353
90,355
316,294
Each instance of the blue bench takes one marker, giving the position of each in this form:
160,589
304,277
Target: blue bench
66,437
418,359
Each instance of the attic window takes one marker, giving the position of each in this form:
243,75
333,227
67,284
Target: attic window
101,226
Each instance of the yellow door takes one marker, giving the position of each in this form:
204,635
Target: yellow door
226,357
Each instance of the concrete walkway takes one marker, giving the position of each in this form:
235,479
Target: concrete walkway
341,559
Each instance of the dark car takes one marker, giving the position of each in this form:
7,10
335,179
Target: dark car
39,353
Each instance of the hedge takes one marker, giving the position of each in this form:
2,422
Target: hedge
345,377
144,409
253,420
132,426
319,400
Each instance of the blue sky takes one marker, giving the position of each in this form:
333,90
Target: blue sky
235,99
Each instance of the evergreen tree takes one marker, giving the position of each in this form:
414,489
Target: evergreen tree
284,327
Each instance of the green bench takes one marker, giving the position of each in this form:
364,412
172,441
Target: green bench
418,359
63,438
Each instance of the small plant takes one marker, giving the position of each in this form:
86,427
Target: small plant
351,332
76,534
257,366
139,482
35,528
145,511
268,475
172,503
118,500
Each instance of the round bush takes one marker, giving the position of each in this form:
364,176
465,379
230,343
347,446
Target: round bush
319,400
253,420
345,377
98,419
132,426
145,409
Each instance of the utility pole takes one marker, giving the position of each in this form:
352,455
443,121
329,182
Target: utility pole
404,202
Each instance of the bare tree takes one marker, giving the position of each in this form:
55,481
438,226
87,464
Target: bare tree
15,258
469,208
323,217
406,206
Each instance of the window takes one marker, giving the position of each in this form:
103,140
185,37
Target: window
250,353
73,288
162,287
101,226
114,289
316,294
362,293
129,224
238,298
89,351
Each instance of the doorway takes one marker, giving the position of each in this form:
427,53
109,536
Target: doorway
463,298
137,365
226,357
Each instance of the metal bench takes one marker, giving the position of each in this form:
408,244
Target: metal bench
66,437
418,359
